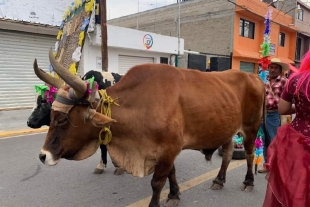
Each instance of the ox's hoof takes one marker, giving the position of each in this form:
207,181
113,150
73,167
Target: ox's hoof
99,169
247,188
216,186
119,171
172,202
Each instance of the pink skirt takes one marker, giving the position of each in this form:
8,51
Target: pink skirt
288,169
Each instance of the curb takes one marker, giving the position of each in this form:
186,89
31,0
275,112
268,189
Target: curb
22,132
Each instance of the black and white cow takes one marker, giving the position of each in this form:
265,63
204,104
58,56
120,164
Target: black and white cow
40,115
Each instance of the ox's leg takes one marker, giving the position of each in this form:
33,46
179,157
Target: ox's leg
249,140
219,181
173,196
163,169
103,162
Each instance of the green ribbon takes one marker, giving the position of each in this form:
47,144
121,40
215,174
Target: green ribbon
40,89
91,82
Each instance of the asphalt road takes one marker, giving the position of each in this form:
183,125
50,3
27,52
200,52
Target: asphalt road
25,181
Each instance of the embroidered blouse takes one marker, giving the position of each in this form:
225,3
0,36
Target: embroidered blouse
301,123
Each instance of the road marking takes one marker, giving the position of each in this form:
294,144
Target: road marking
24,132
189,184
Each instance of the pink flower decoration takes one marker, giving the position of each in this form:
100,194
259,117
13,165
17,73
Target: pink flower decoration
49,94
258,143
89,89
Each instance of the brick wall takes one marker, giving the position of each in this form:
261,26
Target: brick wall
206,25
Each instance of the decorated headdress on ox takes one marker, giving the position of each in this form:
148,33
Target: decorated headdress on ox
79,92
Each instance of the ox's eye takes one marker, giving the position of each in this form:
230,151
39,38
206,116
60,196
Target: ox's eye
61,121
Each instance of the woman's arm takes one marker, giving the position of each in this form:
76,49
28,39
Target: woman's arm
286,108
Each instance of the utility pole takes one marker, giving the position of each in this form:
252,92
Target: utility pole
179,33
104,34
138,15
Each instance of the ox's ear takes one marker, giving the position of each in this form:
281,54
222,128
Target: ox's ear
101,120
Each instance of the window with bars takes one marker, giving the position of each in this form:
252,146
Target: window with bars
247,67
298,48
246,29
281,39
164,60
300,15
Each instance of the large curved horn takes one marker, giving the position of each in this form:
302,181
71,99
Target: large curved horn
75,82
57,83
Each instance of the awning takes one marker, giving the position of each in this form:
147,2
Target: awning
256,55
246,54
286,60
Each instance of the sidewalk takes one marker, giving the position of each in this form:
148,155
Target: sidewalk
15,123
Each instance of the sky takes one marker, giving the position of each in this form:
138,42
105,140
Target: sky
51,11
118,8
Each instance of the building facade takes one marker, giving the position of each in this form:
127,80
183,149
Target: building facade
248,35
206,25
220,28
300,12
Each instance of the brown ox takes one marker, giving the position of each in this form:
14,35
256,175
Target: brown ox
163,110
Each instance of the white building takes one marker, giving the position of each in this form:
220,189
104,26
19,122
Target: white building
28,31
128,47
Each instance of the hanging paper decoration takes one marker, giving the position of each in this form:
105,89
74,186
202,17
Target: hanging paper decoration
265,58
258,148
72,68
76,56
89,5
263,74
85,24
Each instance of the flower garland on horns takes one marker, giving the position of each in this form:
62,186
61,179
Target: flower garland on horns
265,58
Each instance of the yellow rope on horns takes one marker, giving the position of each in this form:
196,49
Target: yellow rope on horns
106,103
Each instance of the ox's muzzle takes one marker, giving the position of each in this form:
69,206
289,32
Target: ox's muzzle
47,158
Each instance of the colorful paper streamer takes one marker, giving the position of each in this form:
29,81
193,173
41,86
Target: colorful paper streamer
258,153
265,46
